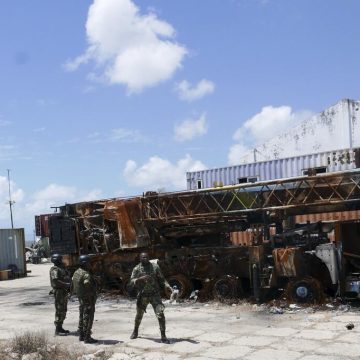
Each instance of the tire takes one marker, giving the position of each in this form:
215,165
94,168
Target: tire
183,284
227,288
306,290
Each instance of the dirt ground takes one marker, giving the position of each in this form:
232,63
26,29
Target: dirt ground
196,330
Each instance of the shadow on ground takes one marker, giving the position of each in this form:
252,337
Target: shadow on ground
172,340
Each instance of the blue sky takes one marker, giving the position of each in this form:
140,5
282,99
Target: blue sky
115,97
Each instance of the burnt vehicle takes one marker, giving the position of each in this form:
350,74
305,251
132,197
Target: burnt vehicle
188,232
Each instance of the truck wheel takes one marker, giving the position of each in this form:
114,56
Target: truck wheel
227,287
182,283
306,290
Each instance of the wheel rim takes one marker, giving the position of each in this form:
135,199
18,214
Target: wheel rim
182,283
306,290
302,292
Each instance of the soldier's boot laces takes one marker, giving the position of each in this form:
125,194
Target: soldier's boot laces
89,340
134,334
164,339
61,331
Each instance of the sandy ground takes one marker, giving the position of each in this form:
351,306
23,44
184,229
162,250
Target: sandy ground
196,331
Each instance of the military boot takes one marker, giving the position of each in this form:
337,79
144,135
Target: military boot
89,340
60,331
81,335
164,339
134,334
162,326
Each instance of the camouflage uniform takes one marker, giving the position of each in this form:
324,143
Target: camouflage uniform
149,292
84,286
60,293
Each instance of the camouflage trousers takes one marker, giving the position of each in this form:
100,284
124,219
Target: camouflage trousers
158,306
61,300
86,314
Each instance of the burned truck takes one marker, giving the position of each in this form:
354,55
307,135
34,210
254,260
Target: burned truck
193,256
189,233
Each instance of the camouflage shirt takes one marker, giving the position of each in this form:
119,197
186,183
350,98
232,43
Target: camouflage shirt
156,282
83,283
58,273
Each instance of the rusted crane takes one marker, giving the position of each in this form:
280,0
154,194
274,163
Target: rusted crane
188,232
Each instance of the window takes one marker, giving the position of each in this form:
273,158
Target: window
244,180
199,184
315,171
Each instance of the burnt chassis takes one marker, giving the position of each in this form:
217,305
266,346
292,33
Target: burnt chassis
187,232
302,261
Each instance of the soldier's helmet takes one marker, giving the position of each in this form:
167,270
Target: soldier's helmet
84,259
56,259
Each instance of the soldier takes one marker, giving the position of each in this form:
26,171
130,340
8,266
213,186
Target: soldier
84,286
149,280
60,282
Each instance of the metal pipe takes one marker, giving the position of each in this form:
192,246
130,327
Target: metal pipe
10,201
350,127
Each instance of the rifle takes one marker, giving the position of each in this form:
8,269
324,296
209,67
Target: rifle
138,300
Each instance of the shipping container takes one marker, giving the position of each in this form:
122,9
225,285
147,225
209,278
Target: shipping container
12,251
42,224
323,162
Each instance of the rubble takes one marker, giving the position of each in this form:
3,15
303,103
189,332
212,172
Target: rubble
276,310
32,356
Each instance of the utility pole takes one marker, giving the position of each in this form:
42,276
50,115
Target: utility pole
11,203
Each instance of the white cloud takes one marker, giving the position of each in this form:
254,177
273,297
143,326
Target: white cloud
160,173
92,195
190,93
40,202
236,154
130,48
55,195
52,195
189,129
126,135
268,123
17,195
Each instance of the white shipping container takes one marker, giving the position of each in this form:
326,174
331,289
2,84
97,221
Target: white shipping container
330,161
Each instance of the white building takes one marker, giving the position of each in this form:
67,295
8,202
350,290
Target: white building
328,141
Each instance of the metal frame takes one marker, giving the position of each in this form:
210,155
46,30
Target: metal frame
320,193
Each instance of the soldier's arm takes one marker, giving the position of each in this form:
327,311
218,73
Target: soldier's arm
56,281
134,276
162,281
88,281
